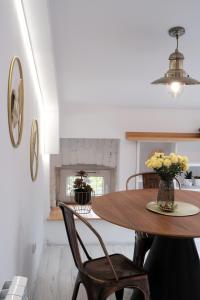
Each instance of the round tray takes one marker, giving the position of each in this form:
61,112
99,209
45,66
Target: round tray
182,209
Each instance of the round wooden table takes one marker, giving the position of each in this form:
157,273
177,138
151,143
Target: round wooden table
173,264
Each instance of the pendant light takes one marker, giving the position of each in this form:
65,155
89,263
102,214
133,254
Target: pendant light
176,77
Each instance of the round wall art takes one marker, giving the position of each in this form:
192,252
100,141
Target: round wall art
15,101
34,150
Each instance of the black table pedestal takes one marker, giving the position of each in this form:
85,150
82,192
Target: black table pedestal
173,269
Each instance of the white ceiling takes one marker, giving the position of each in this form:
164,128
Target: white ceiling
108,51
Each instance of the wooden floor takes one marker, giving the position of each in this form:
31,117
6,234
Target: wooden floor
57,272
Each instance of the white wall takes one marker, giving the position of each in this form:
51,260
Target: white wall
37,18
24,204
93,121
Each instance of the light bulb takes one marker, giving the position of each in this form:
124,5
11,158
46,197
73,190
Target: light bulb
176,88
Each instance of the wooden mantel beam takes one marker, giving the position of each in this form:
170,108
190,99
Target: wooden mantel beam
162,136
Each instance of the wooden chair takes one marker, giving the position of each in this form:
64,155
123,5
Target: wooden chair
150,180
143,241
104,275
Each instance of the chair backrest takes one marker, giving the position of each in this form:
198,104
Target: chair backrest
72,234
150,180
75,240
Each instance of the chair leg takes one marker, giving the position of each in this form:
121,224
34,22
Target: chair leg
76,288
146,296
119,294
143,286
94,291
143,243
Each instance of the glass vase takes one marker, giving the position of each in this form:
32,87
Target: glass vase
165,198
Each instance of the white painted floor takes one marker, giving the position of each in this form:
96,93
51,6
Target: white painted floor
57,272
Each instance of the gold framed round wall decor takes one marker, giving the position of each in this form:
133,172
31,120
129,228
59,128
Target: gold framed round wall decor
15,101
34,150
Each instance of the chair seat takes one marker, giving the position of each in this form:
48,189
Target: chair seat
100,269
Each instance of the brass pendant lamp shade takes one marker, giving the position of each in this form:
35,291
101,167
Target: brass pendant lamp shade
176,72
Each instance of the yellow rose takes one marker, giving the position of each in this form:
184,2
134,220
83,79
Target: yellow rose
185,159
174,159
185,167
156,164
180,158
158,154
159,163
167,162
148,163
172,154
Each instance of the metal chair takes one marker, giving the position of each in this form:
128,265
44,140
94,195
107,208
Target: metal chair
143,241
104,275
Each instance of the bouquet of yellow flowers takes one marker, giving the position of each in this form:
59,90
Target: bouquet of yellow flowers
167,166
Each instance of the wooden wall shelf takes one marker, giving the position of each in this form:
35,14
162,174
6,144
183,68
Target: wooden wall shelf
162,136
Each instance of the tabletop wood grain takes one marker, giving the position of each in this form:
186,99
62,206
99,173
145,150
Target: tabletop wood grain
128,209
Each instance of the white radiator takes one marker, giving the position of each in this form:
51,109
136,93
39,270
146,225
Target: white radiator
15,289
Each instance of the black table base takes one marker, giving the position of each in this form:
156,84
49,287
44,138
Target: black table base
173,269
